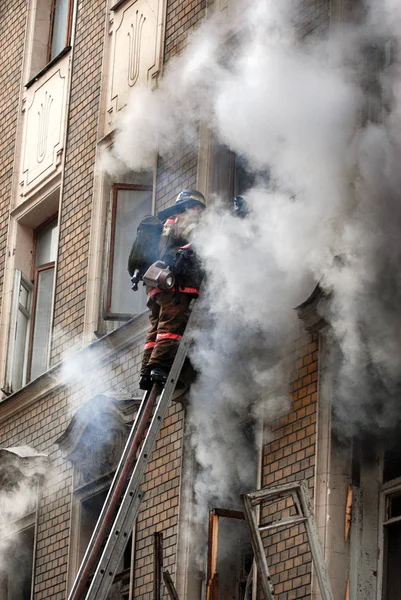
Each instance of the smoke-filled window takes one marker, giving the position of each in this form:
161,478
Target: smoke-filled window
16,565
130,203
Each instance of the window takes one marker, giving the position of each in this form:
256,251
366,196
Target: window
233,176
60,32
45,251
244,177
130,204
51,32
230,556
31,311
90,511
16,571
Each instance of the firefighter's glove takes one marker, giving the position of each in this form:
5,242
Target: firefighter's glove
185,262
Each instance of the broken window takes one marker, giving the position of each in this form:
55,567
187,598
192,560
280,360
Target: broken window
130,203
90,507
230,557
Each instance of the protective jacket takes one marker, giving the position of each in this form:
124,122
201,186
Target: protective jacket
169,310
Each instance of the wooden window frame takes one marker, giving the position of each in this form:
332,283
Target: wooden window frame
38,270
108,314
67,40
35,276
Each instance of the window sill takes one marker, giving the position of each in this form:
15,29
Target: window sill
48,66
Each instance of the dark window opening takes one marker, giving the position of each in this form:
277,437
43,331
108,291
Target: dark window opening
16,567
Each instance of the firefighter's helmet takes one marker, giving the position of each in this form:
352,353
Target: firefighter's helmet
185,199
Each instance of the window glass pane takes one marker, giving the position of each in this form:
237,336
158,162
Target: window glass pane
60,24
394,506
46,244
41,335
132,206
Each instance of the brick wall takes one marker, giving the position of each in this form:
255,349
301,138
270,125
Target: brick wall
41,424
181,16
13,16
174,174
78,176
290,456
160,508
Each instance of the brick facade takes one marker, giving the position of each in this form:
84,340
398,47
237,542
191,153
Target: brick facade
181,17
288,457
77,193
13,16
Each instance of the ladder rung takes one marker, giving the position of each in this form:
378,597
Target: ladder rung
283,523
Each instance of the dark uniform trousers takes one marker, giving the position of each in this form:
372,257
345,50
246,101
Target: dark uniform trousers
169,313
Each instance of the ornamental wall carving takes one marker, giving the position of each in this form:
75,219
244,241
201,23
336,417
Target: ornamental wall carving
135,52
44,120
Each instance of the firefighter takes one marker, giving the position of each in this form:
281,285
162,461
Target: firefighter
169,309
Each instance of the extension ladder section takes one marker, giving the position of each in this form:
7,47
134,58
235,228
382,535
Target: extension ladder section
304,514
127,495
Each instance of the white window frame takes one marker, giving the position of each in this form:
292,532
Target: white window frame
387,490
16,307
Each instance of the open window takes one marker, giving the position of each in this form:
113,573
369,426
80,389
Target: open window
130,203
32,306
230,556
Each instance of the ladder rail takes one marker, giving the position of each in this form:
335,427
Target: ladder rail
109,508
300,495
130,505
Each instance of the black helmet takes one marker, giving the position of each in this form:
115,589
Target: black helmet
185,199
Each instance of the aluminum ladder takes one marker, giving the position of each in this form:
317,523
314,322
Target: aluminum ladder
158,399
298,491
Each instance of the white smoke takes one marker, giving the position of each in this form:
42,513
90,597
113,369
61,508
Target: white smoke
331,214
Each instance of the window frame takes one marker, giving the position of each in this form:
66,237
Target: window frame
388,489
46,267
85,495
67,40
108,314
35,271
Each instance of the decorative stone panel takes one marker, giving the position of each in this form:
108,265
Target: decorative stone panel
135,51
44,108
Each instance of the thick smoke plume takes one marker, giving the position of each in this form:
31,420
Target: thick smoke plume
322,116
